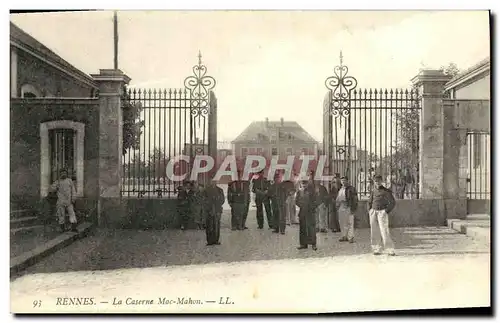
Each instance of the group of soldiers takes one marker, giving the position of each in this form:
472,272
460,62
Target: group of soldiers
320,208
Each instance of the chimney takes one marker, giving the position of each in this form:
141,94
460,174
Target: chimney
267,122
282,122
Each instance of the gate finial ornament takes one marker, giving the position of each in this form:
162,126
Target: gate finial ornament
340,86
199,86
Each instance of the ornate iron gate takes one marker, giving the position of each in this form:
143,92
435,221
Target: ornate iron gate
371,131
172,122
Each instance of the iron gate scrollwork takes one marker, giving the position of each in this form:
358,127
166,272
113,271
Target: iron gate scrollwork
172,122
371,131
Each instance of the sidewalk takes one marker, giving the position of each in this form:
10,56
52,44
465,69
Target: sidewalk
28,251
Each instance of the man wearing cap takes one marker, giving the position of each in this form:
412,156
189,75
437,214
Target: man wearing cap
307,201
260,188
237,200
381,203
213,198
277,195
347,204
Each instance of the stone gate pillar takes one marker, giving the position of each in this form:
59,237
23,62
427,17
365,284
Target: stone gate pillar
430,84
110,84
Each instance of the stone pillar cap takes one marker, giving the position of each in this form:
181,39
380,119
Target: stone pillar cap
430,75
111,75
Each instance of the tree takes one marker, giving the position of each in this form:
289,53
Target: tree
131,113
451,69
406,147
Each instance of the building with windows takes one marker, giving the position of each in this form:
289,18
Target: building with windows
274,138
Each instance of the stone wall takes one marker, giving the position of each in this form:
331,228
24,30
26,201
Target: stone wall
48,80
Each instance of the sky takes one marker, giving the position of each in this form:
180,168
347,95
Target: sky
266,63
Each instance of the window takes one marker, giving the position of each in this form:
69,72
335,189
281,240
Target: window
61,146
274,151
304,151
260,151
29,91
244,152
252,151
289,151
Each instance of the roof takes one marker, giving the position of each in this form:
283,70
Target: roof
251,133
471,72
26,42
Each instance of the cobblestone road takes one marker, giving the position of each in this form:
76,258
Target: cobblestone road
148,264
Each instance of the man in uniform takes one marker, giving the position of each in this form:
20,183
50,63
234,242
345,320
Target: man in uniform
237,200
332,209
246,190
213,198
278,199
260,188
307,201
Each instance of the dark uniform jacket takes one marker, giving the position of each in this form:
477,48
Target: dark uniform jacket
259,187
237,192
323,196
213,198
381,198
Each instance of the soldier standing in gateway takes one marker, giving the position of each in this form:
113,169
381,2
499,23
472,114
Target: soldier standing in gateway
278,199
213,198
237,200
307,203
260,188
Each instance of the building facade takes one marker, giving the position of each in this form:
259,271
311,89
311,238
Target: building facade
274,138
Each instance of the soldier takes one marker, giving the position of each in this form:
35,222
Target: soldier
213,198
307,203
183,205
246,190
236,198
277,195
195,206
260,187
322,208
332,208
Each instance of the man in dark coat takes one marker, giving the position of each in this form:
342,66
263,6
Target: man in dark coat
307,201
333,219
213,198
260,188
277,194
236,197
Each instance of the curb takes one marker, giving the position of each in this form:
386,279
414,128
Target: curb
31,257
474,230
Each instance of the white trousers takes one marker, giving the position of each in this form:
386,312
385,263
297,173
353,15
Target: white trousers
379,229
322,217
346,220
291,211
61,213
